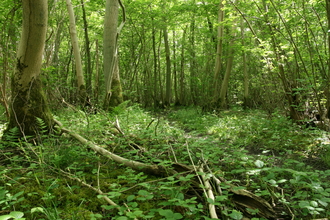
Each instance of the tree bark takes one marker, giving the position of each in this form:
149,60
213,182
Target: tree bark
76,51
218,59
168,92
28,100
327,92
247,102
88,51
110,54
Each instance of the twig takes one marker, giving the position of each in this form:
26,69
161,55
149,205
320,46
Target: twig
206,184
176,161
150,123
117,126
209,194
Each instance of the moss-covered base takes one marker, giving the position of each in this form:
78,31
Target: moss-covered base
116,97
28,104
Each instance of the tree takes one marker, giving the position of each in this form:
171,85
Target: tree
218,59
88,51
327,92
28,100
168,68
110,54
79,70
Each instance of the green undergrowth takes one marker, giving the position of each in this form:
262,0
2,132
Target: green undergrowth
268,155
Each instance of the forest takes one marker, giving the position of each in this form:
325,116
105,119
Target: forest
177,109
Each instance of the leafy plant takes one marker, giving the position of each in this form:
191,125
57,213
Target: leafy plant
13,215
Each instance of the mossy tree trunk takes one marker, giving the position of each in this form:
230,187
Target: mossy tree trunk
28,100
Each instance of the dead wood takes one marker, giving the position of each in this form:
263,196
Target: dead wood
242,199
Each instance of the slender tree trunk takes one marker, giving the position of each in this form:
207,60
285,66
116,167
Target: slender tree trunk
28,100
97,76
88,51
327,92
155,67
246,103
182,67
193,75
168,69
76,51
175,76
218,59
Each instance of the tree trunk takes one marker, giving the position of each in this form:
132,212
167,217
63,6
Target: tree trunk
155,67
182,67
247,102
97,76
28,99
175,76
218,59
327,92
168,69
110,55
116,95
193,66
74,39
225,81
88,51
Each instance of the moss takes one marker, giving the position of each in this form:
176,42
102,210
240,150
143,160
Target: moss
117,95
28,104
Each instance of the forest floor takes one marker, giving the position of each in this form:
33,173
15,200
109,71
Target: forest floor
267,155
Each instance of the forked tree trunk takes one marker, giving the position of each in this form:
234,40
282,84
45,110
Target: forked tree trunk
110,55
76,51
28,99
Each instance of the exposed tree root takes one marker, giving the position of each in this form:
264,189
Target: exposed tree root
242,199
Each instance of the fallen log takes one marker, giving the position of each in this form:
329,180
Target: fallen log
242,198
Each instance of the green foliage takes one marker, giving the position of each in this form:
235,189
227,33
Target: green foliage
271,157
13,215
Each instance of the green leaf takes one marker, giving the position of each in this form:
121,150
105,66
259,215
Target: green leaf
209,200
259,163
169,214
303,204
236,215
282,181
143,192
17,215
37,209
272,182
314,203
130,198
5,217
325,204
122,218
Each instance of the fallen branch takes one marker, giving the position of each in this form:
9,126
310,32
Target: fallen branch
242,198
156,170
